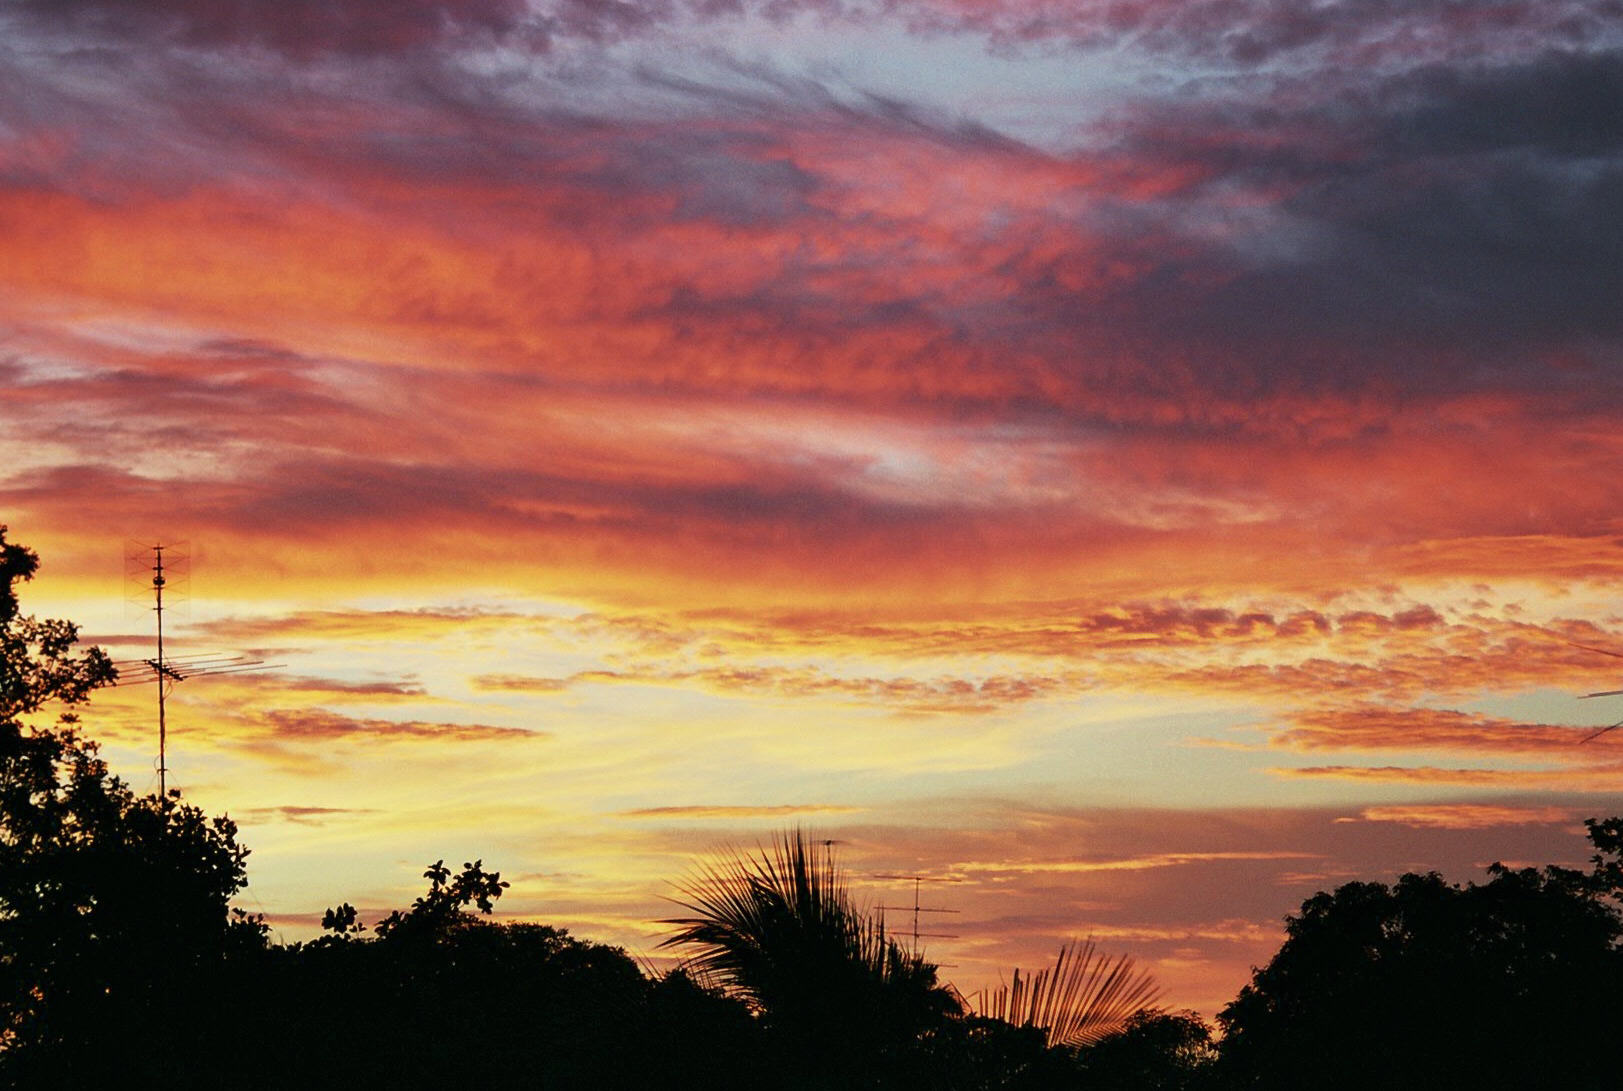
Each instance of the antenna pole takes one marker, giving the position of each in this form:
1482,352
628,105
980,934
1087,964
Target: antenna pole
162,673
163,733
916,881
168,672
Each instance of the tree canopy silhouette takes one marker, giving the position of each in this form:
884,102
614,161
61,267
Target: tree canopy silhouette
441,995
1426,984
1153,1051
37,661
114,909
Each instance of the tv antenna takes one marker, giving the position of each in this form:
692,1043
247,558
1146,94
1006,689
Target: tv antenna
916,908
168,671
1602,693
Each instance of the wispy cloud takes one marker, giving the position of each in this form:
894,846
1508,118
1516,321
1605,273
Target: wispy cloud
1136,863
299,815
1463,816
965,696
1373,728
736,813
1597,777
321,724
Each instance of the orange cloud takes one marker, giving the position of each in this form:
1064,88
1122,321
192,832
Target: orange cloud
392,369
318,725
1375,728
1137,863
1607,777
963,696
1463,816
332,689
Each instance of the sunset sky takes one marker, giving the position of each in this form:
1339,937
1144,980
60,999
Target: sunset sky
1129,463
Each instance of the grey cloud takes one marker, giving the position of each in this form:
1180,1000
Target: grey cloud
1254,33
1400,229
1561,104
297,28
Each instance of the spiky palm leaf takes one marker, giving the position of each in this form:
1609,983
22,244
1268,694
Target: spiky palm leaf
780,929
1083,997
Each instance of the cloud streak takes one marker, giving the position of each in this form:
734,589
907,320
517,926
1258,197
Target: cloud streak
735,813
1463,816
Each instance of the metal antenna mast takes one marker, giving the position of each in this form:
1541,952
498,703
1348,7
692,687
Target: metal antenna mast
164,670
164,675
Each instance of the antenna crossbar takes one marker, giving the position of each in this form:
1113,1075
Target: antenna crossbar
178,670
917,909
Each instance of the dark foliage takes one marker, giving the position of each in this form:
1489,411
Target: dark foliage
842,1003
842,1006
1156,1051
974,1053
116,934
1425,984
37,662
444,997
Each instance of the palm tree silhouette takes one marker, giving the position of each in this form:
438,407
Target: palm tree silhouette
847,1006
780,930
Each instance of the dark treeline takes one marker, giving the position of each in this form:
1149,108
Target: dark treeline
122,964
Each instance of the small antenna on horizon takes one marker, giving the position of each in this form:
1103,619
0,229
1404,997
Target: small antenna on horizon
916,908
167,672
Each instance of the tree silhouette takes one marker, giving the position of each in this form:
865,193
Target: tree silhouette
37,663
115,920
1425,984
1153,1051
439,995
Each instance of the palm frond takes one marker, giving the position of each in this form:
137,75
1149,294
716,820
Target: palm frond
751,915
1083,997
780,929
